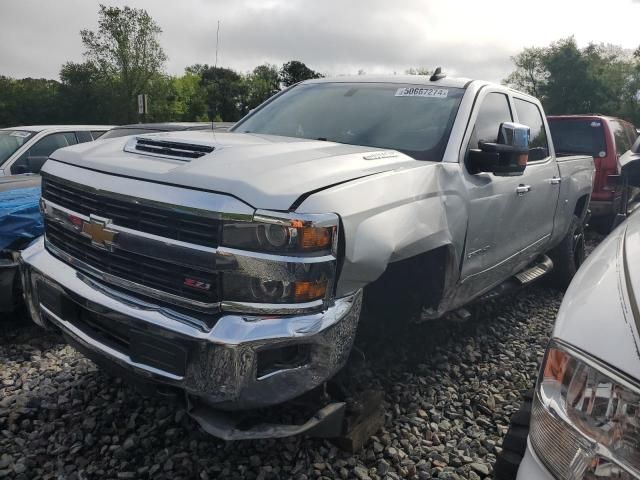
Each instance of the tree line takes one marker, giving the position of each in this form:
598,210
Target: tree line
124,58
567,79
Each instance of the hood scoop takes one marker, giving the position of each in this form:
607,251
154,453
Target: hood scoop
161,148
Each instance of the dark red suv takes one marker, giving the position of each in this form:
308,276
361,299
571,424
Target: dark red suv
606,138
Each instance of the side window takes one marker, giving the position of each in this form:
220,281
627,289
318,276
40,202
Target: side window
621,138
631,132
84,136
33,159
97,133
493,111
529,114
51,143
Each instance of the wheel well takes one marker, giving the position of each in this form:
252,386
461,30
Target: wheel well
409,285
581,206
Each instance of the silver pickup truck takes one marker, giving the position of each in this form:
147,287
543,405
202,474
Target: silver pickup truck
232,266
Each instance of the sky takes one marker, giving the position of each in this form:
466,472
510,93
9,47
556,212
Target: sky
468,38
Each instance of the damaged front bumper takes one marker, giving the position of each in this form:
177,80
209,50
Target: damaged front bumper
242,362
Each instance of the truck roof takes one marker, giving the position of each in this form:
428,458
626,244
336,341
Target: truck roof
584,116
446,82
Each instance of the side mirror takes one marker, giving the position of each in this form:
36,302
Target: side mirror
508,157
629,168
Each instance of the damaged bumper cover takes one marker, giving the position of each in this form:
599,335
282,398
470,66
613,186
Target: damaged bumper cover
242,362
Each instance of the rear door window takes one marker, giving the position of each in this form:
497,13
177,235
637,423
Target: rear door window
529,114
621,136
84,137
578,136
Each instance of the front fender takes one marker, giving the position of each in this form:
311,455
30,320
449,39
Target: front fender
393,216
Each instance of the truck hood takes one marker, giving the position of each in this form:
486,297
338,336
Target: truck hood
599,313
265,171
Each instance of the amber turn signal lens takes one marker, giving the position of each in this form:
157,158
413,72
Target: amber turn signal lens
315,238
309,291
556,365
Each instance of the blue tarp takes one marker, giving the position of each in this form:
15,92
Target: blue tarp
20,217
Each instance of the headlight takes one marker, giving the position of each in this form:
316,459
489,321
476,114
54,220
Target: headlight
585,421
283,233
280,262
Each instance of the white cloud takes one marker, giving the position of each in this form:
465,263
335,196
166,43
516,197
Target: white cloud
468,38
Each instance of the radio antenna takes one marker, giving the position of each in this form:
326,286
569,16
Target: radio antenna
217,41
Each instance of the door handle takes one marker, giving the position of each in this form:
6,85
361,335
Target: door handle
555,181
522,189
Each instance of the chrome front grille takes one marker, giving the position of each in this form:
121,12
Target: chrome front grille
160,251
148,217
159,274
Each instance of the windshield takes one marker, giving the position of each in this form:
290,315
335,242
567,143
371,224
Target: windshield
415,120
579,136
12,140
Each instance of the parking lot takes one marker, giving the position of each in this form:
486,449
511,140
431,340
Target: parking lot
450,389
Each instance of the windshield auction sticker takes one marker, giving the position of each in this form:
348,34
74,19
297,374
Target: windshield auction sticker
20,134
422,92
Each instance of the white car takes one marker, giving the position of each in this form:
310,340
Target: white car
582,421
25,149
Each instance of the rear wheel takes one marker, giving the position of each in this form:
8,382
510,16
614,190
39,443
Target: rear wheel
515,442
568,255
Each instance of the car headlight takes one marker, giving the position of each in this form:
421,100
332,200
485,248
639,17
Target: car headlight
283,233
280,262
585,421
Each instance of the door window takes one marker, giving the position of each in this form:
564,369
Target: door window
84,136
529,114
33,159
493,111
623,142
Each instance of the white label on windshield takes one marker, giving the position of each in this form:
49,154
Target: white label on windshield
20,134
422,92
595,124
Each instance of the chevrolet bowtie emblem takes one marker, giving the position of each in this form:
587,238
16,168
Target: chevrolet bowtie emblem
98,232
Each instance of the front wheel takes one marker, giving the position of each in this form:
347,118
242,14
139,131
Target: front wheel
568,255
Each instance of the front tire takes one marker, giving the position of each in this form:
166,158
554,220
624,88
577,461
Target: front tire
568,255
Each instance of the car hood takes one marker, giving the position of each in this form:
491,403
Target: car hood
265,171
599,313
14,182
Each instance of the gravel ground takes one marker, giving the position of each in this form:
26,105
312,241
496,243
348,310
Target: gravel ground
451,388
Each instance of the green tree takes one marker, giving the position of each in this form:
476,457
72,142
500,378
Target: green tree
418,71
295,71
530,72
262,83
595,79
225,91
87,95
29,101
126,47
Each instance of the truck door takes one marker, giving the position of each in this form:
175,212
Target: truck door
496,210
541,181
